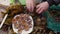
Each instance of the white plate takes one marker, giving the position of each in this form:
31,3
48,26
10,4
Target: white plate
24,32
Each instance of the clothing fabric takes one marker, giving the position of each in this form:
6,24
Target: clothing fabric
51,24
51,2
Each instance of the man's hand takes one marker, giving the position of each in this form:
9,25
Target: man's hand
42,7
30,5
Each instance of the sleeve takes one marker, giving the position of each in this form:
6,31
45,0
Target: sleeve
51,2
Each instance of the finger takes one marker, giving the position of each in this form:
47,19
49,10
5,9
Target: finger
28,6
38,6
32,8
40,11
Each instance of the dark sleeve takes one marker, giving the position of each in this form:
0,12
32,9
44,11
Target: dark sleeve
51,2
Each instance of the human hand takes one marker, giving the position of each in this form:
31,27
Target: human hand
42,7
30,5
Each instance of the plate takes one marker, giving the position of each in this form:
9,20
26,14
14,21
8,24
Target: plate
24,32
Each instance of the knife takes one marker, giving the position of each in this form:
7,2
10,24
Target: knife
3,20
